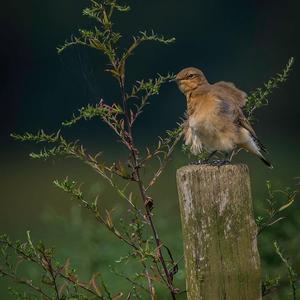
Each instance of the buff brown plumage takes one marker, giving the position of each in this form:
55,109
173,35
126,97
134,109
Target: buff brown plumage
215,120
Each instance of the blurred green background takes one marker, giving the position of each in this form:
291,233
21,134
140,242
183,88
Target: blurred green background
245,42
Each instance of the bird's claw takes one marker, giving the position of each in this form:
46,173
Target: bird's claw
219,163
200,162
216,163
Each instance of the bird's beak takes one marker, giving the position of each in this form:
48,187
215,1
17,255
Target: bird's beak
173,80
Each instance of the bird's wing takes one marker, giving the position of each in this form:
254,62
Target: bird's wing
231,101
230,91
231,110
242,121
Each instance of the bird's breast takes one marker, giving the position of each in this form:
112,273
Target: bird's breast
212,132
204,126
204,118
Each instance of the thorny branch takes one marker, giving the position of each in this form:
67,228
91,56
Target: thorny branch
25,282
147,201
121,118
43,258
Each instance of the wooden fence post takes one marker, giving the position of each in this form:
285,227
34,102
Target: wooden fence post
219,233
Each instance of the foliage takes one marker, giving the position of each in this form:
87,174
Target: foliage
137,230
271,285
140,235
274,210
291,273
277,202
260,96
58,281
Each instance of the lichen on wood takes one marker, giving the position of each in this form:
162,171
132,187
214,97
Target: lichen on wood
219,232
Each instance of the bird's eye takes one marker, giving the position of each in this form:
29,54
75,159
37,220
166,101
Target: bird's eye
190,76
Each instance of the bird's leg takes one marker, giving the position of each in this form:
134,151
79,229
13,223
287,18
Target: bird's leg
227,158
233,152
211,155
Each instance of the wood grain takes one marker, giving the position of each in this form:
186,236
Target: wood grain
219,231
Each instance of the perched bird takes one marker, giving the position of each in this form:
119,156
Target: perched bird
215,120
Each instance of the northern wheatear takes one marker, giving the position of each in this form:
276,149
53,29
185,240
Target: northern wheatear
215,118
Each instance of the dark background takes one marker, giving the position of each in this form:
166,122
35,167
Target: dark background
241,41
245,42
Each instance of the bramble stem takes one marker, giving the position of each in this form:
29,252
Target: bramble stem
28,283
135,166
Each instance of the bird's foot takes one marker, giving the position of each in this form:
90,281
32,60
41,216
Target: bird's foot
200,162
219,162
216,163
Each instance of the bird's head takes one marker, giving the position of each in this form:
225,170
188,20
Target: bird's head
189,79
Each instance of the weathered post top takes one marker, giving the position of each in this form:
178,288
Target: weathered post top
219,232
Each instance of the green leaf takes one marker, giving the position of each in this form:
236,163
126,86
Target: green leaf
260,96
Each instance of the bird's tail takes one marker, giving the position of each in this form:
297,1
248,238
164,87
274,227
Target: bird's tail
267,162
255,147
